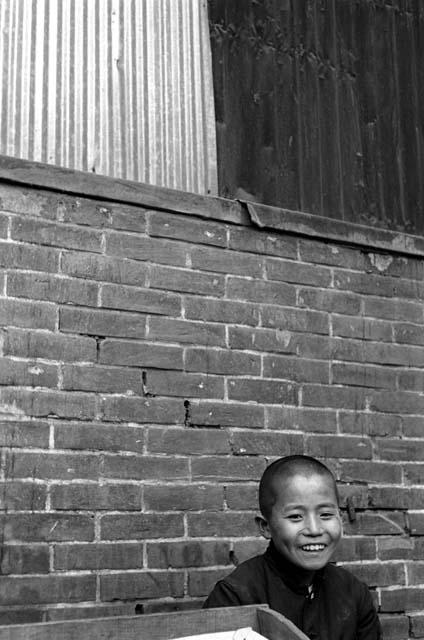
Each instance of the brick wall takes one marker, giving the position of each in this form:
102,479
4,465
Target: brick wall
157,351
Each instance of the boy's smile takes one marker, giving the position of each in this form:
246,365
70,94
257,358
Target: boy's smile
304,524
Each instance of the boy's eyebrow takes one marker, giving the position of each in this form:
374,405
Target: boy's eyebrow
322,505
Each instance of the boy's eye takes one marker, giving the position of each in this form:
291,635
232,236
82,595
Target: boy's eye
327,514
294,517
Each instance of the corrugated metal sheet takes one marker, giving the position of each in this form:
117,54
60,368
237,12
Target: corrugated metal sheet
118,87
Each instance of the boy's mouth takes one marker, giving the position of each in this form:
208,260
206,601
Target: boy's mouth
313,548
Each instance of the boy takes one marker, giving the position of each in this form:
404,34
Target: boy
300,516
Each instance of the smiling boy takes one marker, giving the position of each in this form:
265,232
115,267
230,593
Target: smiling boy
300,516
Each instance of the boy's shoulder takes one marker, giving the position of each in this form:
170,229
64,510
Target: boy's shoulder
344,580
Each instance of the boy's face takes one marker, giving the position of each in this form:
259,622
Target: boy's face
305,524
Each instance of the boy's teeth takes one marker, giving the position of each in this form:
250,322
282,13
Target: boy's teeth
313,547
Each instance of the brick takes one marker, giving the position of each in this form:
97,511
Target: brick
140,354
363,376
301,419
370,424
262,340
329,446
416,523
296,369
186,332
395,449
173,383
43,404
399,266
293,271
186,228
191,553
183,498
94,556
22,559
187,441
313,347
242,497
415,572
221,524
49,346
376,524
411,426
395,498
143,410
186,280
332,301
28,256
294,319
337,397
47,527
28,314
331,254
381,574
54,234
51,465
409,333
414,473
100,437
357,494
20,496
353,548
138,585
145,468
227,469
103,214
102,379
401,600
33,433
142,248
79,612
266,391
375,472
392,309
4,225
411,380
261,291
27,590
103,268
377,353
245,549
28,374
141,526
249,239
116,296
265,443
87,497
201,582
223,261
216,414
222,362
395,548
361,328
102,323
21,616
369,284
52,288
395,627
227,311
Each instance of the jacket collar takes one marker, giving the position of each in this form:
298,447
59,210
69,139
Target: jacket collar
294,577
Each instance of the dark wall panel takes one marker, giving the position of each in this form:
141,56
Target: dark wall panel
319,106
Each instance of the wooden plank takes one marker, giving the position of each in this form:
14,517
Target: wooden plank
161,626
39,175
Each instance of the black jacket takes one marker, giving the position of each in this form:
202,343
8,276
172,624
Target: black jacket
340,607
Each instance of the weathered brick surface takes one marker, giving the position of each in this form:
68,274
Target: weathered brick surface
153,363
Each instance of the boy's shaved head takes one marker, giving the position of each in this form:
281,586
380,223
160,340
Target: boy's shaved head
284,469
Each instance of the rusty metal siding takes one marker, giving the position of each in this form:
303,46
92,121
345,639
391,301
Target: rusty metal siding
118,87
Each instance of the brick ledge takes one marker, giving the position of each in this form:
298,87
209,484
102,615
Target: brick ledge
79,183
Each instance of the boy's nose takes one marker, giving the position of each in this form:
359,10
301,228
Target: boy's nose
313,526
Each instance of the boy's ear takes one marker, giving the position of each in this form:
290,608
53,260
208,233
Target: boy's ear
263,527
